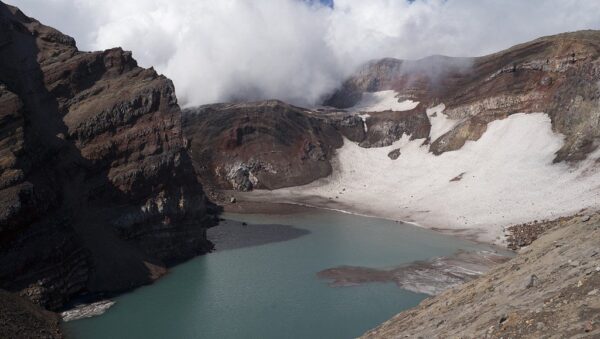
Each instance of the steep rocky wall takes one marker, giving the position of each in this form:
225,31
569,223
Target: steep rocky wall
384,128
265,145
98,191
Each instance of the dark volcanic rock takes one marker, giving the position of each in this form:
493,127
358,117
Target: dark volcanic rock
265,145
384,128
352,127
97,190
394,154
521,235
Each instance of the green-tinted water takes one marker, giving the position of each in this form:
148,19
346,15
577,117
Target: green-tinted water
271,290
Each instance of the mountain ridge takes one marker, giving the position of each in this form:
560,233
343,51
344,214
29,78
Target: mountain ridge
543,75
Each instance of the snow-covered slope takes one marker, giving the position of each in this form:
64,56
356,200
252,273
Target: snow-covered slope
506,177
383,101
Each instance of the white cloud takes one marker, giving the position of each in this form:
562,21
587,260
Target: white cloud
218,50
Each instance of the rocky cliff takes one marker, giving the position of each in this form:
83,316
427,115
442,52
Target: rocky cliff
271,144
265,145
97,190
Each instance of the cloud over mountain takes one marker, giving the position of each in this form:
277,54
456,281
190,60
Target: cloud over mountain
296,50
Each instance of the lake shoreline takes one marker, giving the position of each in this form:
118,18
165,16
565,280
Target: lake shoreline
429,277
252,207
261,203
222,236
274,252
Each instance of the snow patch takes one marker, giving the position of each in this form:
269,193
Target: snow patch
87,310
440,122
509,177
364,119
383,101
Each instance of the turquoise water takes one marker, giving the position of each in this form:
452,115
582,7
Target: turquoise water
271,290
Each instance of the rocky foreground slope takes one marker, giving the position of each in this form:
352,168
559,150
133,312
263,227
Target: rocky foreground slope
97,191
19,318
550,290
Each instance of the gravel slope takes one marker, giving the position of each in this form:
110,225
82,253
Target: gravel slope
550,290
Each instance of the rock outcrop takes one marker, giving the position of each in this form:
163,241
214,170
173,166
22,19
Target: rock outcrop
265,145
551,289
384,128
97,190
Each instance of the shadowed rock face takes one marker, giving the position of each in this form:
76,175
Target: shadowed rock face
558,75
97,190
265,145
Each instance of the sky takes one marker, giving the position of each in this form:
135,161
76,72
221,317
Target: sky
298,50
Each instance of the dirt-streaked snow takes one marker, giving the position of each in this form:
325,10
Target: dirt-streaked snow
440,122
382,101
506,177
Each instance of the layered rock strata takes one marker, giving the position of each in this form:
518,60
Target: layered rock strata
265,145
97,191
